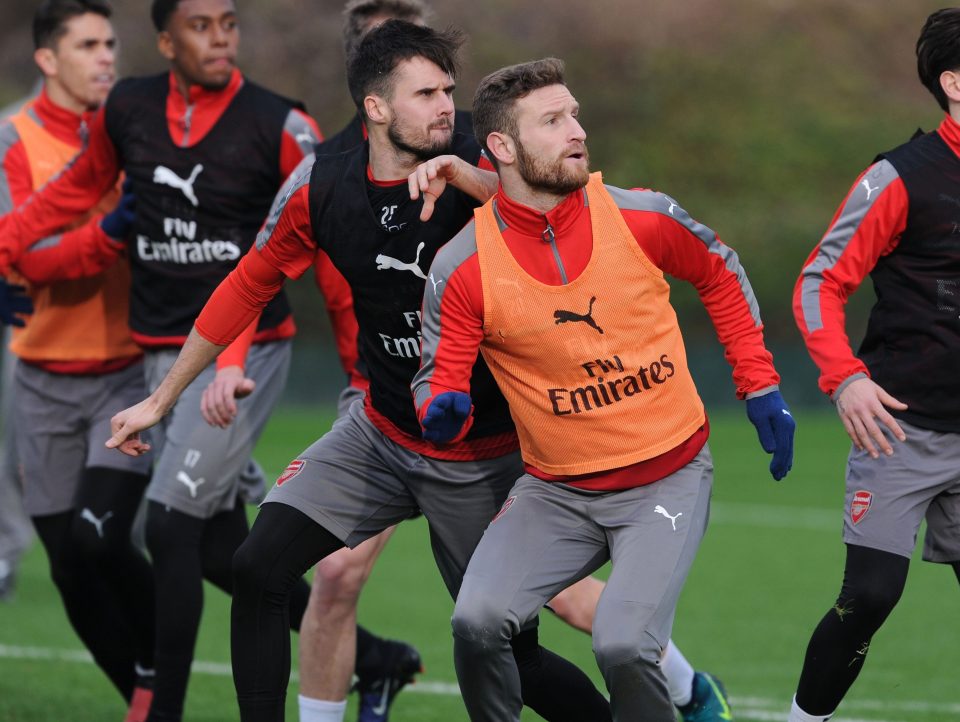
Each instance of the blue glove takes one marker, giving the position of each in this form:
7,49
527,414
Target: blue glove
13,300
117,223
775,427
446,416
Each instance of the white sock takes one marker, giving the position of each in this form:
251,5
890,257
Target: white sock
321,710
679,675
798,715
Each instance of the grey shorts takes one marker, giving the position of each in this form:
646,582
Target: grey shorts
548,536
887,498
355,482
62,424
199,466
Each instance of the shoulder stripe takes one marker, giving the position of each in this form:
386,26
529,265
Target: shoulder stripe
298,127
8,138
661,203
297,180
861,199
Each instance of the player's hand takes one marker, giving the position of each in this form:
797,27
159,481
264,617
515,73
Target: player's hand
775,427
446,417
863,403
14,301
219,402
118,222
430,179
127,425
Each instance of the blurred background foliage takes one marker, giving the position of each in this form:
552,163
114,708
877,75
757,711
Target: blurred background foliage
756,115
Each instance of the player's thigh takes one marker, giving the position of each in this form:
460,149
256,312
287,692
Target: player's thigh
199,466
112,393
887,498
654,532
50,437
458,499
942,542
541,542
350,481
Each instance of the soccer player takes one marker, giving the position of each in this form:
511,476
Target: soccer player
205,150
372,470
897,396
559,283
77,362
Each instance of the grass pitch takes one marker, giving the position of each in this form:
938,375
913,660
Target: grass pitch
768,569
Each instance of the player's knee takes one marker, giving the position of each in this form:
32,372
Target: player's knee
625,646
67,573
867,603
481,618
340,577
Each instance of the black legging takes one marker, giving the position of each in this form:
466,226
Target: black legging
872,584
185,551
282,545
104,581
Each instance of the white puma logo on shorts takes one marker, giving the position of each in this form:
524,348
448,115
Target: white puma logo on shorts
673,519
190,483
89,516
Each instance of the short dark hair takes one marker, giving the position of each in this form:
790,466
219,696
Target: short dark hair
371,67
938,50
493,103
358,13
50,20
160,12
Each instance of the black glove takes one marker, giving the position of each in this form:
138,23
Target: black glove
117,223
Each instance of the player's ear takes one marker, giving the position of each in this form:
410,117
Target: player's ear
376,109
502,147
46,60
950,82
165,45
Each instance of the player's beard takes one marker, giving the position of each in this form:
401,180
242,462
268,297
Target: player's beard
425,147
552,177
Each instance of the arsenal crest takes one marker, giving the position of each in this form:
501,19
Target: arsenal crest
860,505
294,468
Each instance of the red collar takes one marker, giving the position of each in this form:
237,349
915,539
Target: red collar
530,222
190,119
949,130
63,124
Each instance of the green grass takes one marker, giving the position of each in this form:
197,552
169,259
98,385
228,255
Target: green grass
768,569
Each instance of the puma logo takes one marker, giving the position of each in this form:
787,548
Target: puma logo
89,516
435,284
305,138
570,316
663,512
866,184
190,483
385,262
164,176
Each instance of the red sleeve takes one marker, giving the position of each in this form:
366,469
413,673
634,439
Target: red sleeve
867,225
452,328
690,251
16,180
236,353
239,299
286,240
300,136
71,194
339,300
79,253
